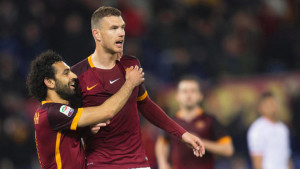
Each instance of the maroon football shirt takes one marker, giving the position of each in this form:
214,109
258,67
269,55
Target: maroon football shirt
119,144
205,126
57,138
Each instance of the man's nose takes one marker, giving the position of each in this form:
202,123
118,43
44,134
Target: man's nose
73,75
122,33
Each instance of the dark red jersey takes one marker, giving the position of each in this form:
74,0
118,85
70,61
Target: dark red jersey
119,144
57,138
205,126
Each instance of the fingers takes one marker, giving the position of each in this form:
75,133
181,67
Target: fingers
195,145
201,149
95,130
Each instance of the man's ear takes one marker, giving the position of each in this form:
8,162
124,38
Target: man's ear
50,83
96,34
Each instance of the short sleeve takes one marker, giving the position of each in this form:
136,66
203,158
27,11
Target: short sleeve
255,141
63,117
219,132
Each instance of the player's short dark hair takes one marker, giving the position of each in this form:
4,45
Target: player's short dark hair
102,12
41,68
265,95
191,78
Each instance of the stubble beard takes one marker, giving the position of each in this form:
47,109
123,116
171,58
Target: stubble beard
64,91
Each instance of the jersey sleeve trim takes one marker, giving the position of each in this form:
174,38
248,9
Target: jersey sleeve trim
44,102
76,119
90,61
57,152
225,140
142,97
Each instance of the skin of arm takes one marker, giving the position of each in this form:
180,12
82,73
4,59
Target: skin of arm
291,166
162,151
223,149
107,110
256,161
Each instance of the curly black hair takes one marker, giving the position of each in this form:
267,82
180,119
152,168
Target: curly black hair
41,68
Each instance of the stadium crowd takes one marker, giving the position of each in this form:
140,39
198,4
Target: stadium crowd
220,41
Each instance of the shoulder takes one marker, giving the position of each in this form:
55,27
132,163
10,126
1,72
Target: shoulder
284,127
257,126
80,67
209,117
129,59
54,109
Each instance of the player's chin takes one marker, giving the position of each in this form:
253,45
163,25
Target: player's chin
119,50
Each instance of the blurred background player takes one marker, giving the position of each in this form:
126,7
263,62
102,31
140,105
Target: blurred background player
192,117
268,137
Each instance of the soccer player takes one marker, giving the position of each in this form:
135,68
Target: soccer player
192,117
268,138
56,123
100,75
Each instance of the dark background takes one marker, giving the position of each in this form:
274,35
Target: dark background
224,42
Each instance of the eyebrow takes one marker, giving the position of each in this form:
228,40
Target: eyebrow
66,70
123,25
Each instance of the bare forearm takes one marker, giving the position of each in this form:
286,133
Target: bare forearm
219,149
107,110
161,151
291,166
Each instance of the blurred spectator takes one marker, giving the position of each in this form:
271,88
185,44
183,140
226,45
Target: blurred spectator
212,39
74,43
268,138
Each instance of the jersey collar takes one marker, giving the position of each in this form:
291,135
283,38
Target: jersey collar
90,61
199,113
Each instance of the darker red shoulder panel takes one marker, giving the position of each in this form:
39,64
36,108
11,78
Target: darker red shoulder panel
128,60
80,67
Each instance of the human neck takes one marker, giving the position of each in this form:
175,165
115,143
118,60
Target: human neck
272,119
103,59
54,97
189,114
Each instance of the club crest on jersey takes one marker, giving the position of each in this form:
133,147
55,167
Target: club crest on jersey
66,110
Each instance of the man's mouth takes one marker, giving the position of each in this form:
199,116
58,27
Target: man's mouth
119,43
72,85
